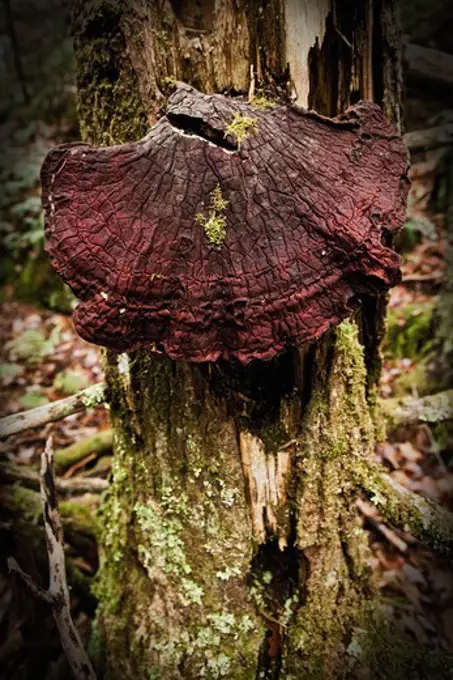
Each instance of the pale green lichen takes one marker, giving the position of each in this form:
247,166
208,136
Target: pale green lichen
215,224
174,542
241,127
93,396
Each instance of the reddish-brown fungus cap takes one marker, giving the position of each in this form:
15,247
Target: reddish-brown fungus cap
192,243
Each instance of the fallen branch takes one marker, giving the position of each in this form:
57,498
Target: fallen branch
432,138
99,443
424,519
56,410
428,64
57,595
17,473
435,408
78,516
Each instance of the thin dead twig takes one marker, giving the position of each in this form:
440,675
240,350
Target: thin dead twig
55,410
57,595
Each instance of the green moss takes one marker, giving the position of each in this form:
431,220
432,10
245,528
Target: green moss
241,127
419,380
422,518
215,224
383,648
78,516
28,503
170,555
110,106
410,330
338,433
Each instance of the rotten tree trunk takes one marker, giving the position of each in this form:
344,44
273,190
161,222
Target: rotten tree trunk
231,547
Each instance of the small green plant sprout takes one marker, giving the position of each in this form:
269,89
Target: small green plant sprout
241,127
215,225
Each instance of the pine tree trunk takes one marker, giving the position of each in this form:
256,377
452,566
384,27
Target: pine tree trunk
231,547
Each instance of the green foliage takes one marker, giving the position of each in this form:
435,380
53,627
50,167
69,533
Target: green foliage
32,345
70,382
27,503
9,372
33,399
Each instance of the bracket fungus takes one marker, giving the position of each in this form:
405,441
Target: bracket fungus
202,245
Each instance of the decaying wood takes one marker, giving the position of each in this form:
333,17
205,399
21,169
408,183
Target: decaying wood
432,138
434,408
17,473
266,477
178,489
57,595
56,410
428,63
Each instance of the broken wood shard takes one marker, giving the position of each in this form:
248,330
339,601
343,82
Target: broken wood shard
230,230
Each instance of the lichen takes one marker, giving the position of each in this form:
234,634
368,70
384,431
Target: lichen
241,127
170,556
215,224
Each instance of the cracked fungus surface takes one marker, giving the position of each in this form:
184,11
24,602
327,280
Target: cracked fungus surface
306,202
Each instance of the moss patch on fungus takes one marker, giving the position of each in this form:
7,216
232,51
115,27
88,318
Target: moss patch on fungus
241,127
215,224
260,101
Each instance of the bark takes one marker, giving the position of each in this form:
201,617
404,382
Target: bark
231,547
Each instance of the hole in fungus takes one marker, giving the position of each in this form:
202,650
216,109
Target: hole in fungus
198,127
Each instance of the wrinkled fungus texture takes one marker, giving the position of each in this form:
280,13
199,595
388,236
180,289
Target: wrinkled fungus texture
307,202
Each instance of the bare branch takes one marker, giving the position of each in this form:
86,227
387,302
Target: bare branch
56,410
34,589
434,408
18,473
432,138
58,593
429,64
